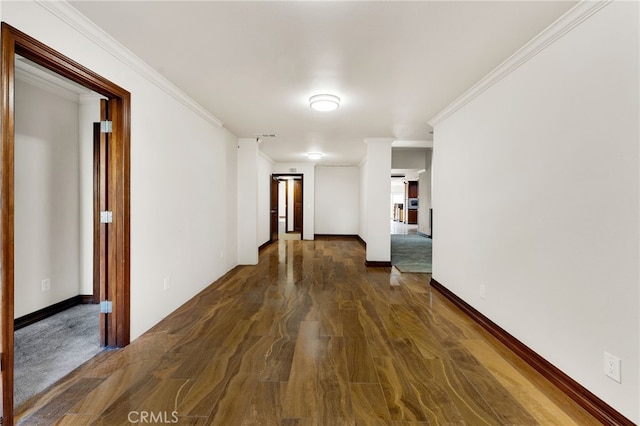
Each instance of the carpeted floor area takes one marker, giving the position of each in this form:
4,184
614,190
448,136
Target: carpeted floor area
411,253
49,349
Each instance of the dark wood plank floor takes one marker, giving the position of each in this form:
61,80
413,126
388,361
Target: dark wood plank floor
310,336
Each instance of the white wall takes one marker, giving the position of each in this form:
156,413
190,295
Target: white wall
424,196
337,200
409,158
362,200
282,198
536,193
265,169
308,193
46,215
183,177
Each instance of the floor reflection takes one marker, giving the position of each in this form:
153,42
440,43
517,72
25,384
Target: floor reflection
399,228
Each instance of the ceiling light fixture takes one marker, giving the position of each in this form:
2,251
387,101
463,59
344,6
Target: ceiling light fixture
314,155
324,102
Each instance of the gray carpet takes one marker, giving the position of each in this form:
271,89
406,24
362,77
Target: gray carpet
50,349
411,253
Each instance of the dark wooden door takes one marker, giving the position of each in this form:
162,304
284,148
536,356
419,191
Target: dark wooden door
297,205
101,229
273,212
99,203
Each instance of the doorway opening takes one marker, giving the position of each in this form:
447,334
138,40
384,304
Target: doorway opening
287,207
55,302
403,216
113,257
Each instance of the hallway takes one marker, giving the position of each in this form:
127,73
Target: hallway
310,336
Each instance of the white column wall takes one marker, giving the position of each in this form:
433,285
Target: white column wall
362,202
378,187
424,196
247,201
265,170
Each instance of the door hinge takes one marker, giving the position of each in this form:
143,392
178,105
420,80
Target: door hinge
105,307
106,217
106,126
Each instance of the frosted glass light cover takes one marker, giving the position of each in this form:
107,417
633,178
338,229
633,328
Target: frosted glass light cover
324,102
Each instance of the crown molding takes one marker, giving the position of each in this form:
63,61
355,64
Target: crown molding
71,16
571,19
266,157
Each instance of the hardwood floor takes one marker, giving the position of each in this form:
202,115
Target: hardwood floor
310,336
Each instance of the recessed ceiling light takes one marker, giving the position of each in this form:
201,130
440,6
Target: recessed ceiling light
314,155
324,102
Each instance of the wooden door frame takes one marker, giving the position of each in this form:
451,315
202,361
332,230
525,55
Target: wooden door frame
275,183
295,201
12,42
286,205
301,176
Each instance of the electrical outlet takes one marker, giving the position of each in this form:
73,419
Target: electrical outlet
612,367
483,291
46,285
166,284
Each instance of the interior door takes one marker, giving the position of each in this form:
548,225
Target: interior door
100,243
104,243
297,205
273,212
99,231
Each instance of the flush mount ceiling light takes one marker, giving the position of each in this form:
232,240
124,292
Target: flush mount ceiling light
324,102
314,155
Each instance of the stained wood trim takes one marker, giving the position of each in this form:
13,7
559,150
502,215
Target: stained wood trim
361,241
336,236
51,310
86,299
7,77
377,264
265,245
574,390
301,176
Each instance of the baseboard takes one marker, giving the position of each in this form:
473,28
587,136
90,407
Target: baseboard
265,245
377,264
587,400
86,299
361,241
335,236
422,234
51,310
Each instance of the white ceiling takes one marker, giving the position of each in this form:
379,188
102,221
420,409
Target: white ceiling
255,64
